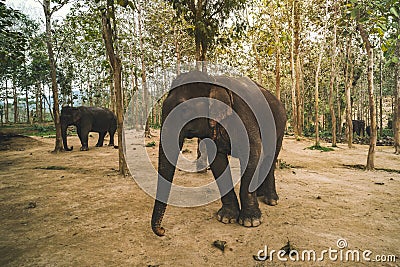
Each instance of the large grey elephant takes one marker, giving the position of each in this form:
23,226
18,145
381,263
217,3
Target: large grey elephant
88,119
248,212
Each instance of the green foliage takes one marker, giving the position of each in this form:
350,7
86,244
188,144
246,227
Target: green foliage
321,148
207,18
44,128
151,144
12,41
284,165
387,132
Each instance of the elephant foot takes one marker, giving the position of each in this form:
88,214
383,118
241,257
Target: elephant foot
111,144
270,201
84,148
99,145
228,214
250,217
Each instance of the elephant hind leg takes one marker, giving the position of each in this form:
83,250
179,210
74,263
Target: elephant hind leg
101,139
111,132
268,188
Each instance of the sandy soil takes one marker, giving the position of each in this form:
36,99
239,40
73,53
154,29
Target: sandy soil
73,209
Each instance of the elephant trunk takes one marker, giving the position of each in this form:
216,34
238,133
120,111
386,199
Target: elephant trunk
166,170
64,137
156,219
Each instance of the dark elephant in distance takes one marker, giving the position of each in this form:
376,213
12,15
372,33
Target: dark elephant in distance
248,212
88,119
359,127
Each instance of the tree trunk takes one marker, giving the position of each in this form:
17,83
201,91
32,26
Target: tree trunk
56,111
258,63
42,104
396,117
177,51
112,94
294,106
6,105
297,65
277,64
115,62
15,102
144,78
348,84
331,84
28,118
316,96
49,106
372,110
339,108
37,99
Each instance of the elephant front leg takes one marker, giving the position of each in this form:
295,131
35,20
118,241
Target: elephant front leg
230,205
83,136
250,213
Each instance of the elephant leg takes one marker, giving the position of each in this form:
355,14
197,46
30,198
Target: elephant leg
111,132
101,139
250,214
166,170
201,163
268,188
230,205
84,134
271,197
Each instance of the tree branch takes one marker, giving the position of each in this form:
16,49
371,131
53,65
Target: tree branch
107,36
56,8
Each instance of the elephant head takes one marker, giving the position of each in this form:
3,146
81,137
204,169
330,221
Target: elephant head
69,116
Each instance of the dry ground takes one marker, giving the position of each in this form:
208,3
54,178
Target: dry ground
73,209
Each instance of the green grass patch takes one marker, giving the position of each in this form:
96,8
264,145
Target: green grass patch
151,144
362,167
42,129
186,151
284,165
52,168
320,148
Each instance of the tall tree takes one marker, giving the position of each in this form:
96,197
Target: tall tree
48,12
371,97
348,83
397,93
297,62
332,78
109,29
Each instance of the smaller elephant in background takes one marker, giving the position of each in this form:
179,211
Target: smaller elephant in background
359,127
88,119
368,130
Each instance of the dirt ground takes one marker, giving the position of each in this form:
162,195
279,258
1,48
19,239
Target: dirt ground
73,209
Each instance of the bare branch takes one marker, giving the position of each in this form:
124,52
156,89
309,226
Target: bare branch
56,8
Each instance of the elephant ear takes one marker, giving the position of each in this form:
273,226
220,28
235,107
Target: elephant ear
217,111
76,114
